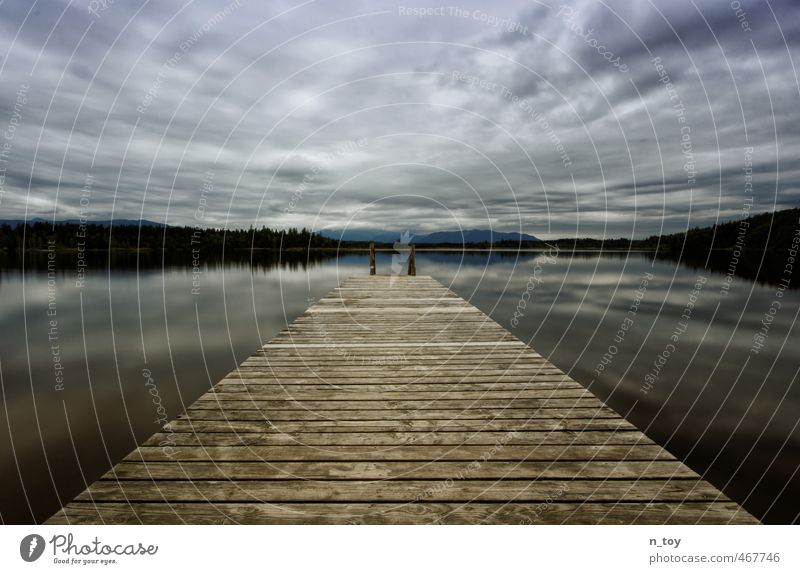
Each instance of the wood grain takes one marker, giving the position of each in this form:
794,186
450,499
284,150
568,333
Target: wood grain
394,401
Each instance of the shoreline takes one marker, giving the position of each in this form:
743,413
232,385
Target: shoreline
366,250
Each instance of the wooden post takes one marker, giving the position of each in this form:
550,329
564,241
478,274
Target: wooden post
372,259
412,261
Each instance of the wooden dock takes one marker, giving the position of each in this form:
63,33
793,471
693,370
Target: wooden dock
393,400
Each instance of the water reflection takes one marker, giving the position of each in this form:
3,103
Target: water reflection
729,412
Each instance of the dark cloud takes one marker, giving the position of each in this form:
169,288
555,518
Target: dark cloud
350,114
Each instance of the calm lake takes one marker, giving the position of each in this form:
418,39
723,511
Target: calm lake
703,365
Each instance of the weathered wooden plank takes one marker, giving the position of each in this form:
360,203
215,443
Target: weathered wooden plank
398,415
340,395
255,386
377,438
378,470
360,371
423,353
189,425
432,378
356,370
401,491
395,345
436,362
468,453
377,404
391,513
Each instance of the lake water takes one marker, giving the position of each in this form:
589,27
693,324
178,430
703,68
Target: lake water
669,346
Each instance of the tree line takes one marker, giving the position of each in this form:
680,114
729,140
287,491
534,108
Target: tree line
771,232
41,235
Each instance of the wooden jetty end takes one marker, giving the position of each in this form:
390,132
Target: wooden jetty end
393,400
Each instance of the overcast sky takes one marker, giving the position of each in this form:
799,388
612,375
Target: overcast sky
588,118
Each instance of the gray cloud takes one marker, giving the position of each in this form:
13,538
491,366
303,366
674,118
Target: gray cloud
349,113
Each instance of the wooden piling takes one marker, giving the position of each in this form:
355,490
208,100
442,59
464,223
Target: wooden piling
372,259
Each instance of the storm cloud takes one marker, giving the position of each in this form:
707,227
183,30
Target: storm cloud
588,118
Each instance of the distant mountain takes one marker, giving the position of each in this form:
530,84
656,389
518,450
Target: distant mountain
438,237
472,236
101,223
377,235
